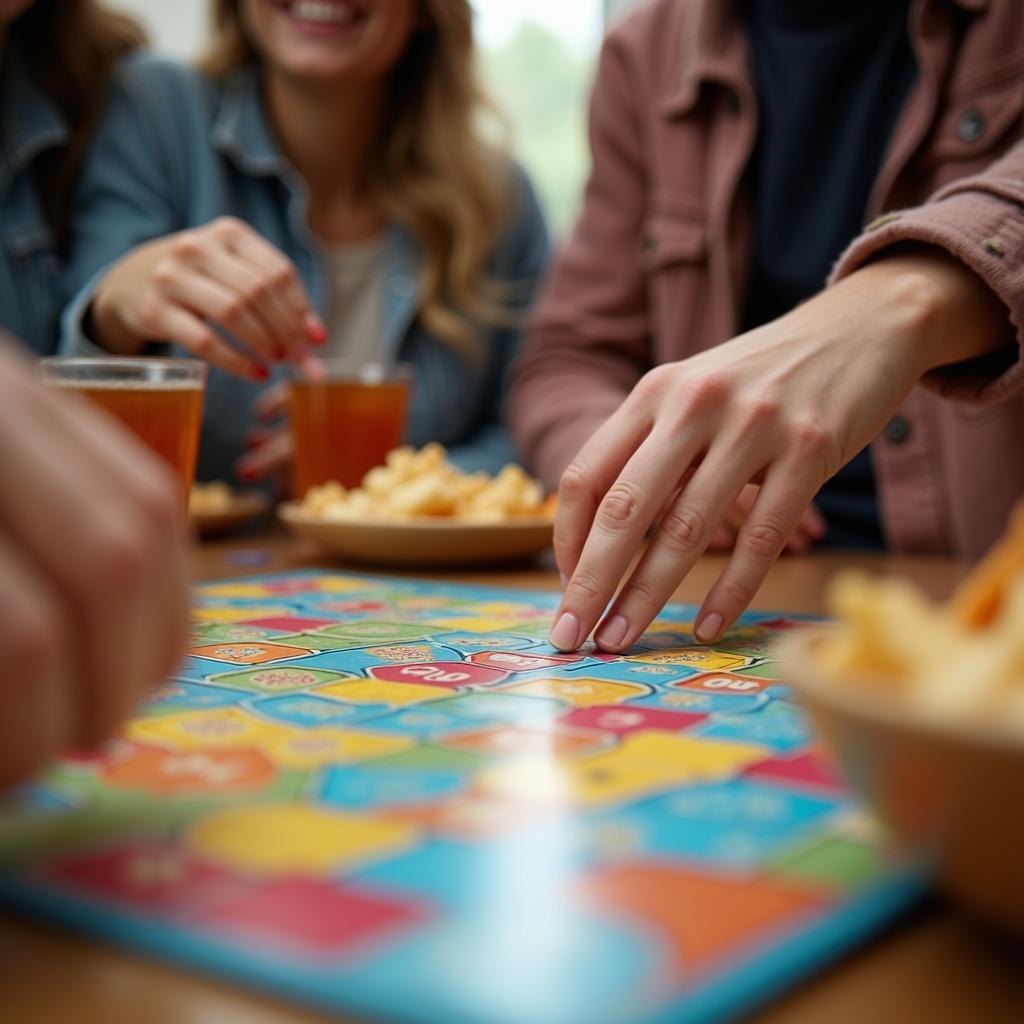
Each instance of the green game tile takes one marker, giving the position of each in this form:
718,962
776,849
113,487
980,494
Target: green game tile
429,759
325,642
766,670
369,632
31,837
227,632
832,862
248,679
749,648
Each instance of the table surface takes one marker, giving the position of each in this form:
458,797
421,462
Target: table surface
937,967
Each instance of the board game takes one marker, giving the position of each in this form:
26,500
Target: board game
393,798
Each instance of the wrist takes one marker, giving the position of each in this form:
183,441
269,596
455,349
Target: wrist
942,311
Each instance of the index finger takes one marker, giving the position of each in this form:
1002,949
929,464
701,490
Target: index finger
289,296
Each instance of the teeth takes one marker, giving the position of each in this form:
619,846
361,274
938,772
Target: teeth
325,13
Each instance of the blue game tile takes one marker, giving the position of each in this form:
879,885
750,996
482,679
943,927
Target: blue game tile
366,786
780,725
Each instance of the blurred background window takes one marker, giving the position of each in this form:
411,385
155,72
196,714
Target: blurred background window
537,59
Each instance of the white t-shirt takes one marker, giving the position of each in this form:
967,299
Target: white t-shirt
356,300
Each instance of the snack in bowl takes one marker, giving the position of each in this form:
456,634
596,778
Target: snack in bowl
214,508
923,706
414,484
210,499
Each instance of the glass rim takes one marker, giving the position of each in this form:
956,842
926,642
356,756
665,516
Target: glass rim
369,372
126,367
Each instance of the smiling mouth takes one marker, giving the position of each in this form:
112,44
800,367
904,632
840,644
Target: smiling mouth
342,13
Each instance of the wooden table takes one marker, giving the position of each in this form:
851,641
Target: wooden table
934,969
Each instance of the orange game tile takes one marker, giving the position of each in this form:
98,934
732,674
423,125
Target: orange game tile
702,918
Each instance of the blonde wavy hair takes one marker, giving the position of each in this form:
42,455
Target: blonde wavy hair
434,171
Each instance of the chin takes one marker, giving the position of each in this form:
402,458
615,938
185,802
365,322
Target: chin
330,39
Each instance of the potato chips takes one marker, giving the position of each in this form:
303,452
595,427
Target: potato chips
415,484
960,661
210,499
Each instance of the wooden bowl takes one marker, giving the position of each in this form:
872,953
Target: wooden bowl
951,794
421,543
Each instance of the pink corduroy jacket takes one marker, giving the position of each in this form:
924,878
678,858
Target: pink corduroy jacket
655,268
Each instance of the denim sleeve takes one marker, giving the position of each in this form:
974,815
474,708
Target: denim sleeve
124,196
520,263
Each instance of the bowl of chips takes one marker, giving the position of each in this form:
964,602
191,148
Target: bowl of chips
215,508
419,510
923,707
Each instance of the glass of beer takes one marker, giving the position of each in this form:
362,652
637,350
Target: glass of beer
345,422
158,400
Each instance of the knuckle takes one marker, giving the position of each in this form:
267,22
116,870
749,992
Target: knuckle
764,539
622,505
165,274
760,413
230,309
204,346
583,586
703,392
812,441
737,593
652,383
186,246
574,483
226,228
643,596
683,530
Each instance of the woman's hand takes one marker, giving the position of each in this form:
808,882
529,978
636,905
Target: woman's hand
92,571
784,406
809,530
270,443
183,285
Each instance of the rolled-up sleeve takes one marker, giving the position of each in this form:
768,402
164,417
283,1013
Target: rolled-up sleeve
980,221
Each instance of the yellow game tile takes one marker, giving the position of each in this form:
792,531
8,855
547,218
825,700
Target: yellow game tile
581,693
240,590
483,624
339,585
313,748
233,614
287,839
192,730
378,691
704,660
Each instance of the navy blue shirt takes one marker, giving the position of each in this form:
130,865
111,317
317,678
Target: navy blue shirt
831,77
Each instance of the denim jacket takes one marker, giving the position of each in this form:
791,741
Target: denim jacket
177,149
29,271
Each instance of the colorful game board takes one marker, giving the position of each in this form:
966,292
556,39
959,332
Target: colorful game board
394,798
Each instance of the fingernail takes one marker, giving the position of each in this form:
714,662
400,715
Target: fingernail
565,580
246,473
315,330
261,373
280,355
566,632
612,632
709,628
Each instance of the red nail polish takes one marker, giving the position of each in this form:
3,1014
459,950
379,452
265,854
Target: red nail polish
261,373
316,332
246,473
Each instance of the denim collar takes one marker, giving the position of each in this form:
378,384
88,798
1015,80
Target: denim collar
240,129
30,122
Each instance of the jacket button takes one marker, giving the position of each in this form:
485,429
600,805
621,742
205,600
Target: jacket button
897,430
971,126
